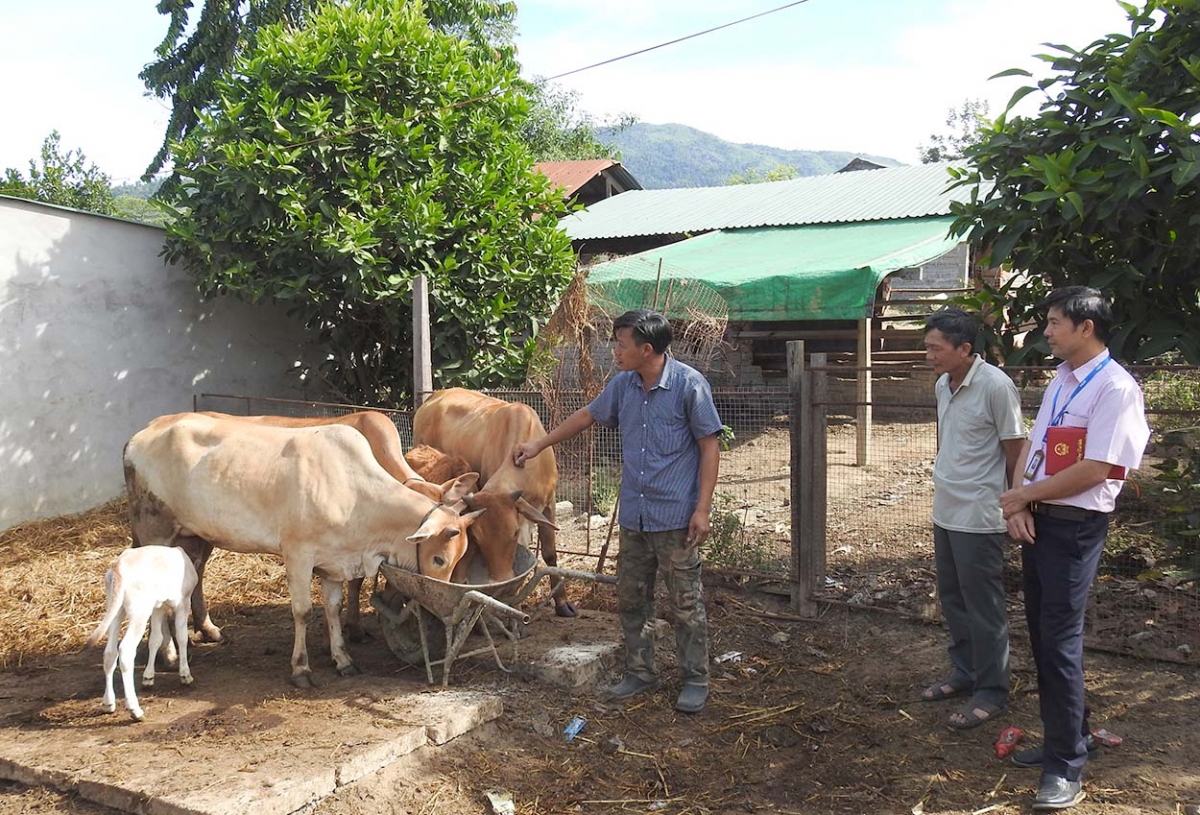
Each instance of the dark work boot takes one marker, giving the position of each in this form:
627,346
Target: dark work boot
629,687
692,698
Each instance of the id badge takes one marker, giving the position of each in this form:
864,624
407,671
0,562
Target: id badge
1035,464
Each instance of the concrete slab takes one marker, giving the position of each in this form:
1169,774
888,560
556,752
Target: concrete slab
246,740
575,653
446,714
270,753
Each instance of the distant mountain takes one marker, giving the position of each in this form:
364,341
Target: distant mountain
666,156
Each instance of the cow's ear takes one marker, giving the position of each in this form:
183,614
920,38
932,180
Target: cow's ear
470,517
456,488
531,512
419,536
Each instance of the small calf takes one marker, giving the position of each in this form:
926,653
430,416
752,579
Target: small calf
434,465
143,585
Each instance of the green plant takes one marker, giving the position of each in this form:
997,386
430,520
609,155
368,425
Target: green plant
1099,187
730,544
346,156
606,486
1178,480
726,437
65,179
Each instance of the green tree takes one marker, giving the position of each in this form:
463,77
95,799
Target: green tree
781,172
65,179
558,130
349,155
197,53
1100,187
965,126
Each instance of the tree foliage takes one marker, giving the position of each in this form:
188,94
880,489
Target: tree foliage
1100,188
782,172
345,157
65,179
558,130
965,125
197,53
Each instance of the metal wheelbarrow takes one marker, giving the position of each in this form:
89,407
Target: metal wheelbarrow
427,621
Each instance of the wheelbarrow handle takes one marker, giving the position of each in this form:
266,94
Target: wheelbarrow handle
489,602
576,574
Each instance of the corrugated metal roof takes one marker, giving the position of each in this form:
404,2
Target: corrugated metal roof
571,175
868,195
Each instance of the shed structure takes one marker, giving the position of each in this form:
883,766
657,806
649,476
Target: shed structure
820,258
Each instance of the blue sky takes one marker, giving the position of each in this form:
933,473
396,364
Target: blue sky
870,76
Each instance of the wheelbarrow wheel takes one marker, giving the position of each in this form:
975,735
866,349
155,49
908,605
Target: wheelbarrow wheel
404,636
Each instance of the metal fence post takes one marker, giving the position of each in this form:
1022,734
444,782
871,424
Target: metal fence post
819,472
800,390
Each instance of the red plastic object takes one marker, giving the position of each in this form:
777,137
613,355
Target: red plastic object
1106,738
1007,741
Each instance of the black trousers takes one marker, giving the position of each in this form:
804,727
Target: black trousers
1058,571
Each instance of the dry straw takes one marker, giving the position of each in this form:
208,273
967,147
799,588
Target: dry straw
52,582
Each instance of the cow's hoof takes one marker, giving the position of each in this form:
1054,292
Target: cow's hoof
108,707
147,683
565,610
354,632
187,680
303,681
137,714
349,670
210,633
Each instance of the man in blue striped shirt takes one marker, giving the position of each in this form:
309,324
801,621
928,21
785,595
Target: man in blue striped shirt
671,455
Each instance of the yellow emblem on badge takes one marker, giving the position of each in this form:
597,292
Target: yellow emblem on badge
1061,449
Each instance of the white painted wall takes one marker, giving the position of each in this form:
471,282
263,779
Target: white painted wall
97,337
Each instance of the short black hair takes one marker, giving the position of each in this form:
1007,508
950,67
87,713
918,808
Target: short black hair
646,326
955,324
1079,303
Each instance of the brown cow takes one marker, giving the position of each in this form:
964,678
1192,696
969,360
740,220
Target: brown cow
484,430
434,465
380,432
315,496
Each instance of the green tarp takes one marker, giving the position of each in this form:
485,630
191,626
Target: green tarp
820,272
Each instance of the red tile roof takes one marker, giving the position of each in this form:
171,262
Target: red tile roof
571,175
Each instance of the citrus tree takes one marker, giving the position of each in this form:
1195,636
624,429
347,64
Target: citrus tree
1100,187
346,156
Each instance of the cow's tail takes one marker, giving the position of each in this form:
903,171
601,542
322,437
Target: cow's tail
116,598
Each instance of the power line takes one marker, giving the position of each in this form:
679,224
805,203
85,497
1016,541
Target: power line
489,94
673,42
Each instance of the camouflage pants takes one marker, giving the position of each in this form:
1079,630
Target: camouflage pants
643,555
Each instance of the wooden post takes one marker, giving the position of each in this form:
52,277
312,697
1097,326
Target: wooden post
864,391
422,348
809,389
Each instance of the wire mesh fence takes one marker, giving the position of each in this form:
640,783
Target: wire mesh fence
878,534
879,538
751,528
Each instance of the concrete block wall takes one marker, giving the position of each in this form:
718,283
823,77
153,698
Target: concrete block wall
950,271
97,337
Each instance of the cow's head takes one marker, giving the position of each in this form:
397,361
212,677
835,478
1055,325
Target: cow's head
442,541
497,534
448,492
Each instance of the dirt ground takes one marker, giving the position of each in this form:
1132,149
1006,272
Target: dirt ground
814,717
809,717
